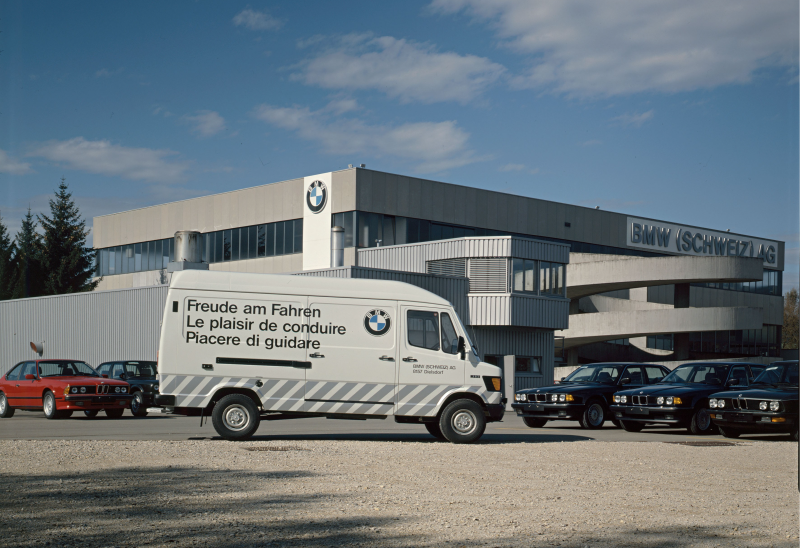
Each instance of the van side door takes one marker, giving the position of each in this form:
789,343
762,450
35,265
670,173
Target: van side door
430,364
353,356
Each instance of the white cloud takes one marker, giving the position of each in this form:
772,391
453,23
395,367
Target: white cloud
634,119
104,158
433,146
586,48
206,122
11,165
401,69
256,20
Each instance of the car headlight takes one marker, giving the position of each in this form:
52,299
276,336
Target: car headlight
562,397
669,400
721,403
83,390
623,399
712,403
762,406
554,397
660,400
124,388
155,387
616,399
774,405
520,397
116,389
74,390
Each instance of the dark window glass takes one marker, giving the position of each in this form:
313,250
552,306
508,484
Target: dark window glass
158,254
530,276
252,242
226,245
298,236
412,230
424,231
29,368
262,240
235,234
518,274
436,232
219,246
151,257
137,257
171,250
401,230
522,364
271,239
388,230
375,226
279,234
205,256
635,374
458,232
493,360
447,232
102,258
654,374
449,336
423,329
165,253
288,237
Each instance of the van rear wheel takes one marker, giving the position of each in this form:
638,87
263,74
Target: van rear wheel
235,417
462,421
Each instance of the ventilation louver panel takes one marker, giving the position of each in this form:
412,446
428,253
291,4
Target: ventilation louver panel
488,275
448,267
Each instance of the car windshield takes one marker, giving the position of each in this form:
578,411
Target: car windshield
141,370
703,373
595,373
784,373
66,368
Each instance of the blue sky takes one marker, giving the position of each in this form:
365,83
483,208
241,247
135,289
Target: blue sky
684,111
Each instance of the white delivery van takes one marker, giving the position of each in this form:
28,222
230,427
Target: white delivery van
250,347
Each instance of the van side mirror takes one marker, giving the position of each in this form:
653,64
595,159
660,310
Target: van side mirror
625,380
462,347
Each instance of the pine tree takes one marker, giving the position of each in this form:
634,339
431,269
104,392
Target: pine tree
7,253
29,281
68,264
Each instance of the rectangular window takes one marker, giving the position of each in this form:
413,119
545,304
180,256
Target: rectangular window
171,250
279,235
558,279
527,364
271,239
447,232
288,237
219,246
235,237
518,270
104,262
157,253
375,230
298,235
226,245
544,277
137,257
424,230
436,232
262,240
388,230
530,276
412,230
423,329
252,242
165,252
207,255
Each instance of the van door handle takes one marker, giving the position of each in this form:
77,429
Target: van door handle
386,358
409,359
316,355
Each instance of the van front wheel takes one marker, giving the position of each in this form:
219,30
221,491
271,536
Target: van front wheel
235,417
462,421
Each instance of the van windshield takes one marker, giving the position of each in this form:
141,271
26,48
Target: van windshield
464,331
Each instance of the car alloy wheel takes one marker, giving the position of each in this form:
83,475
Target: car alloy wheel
3,404
595,414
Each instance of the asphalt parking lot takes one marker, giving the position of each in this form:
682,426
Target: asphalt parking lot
31,425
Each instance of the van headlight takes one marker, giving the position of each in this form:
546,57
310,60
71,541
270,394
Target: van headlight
712,403
774,405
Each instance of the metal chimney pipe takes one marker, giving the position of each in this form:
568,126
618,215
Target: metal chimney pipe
337,246
188,246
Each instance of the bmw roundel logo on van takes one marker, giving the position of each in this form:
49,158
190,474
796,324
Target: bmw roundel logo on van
377,322
316,196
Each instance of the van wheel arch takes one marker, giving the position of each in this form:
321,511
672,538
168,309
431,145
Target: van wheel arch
463,396
226,391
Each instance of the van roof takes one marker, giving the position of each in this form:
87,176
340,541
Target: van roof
286,284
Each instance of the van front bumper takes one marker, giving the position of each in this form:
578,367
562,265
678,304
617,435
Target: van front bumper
495,412
164,400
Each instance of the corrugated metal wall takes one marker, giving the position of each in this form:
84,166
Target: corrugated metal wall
519,342
94,327
451,288
518,310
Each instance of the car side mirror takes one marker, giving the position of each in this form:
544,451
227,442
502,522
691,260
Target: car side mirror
562,378
123,376
462,347
625,380
30,377
105,375
732,382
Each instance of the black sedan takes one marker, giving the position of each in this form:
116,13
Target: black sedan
585,395
681,399
768,407
141,375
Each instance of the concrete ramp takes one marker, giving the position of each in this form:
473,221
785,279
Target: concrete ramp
607,326
586,277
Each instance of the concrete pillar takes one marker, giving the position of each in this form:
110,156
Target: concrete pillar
681,340
509,371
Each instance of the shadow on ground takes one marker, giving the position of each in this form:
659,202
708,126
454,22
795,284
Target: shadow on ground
169,507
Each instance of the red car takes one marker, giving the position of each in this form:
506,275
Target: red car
59,387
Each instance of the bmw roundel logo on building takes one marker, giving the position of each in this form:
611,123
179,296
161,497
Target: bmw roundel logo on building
377,322
317,196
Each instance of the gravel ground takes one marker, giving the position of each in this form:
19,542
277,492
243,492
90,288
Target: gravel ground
333,493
